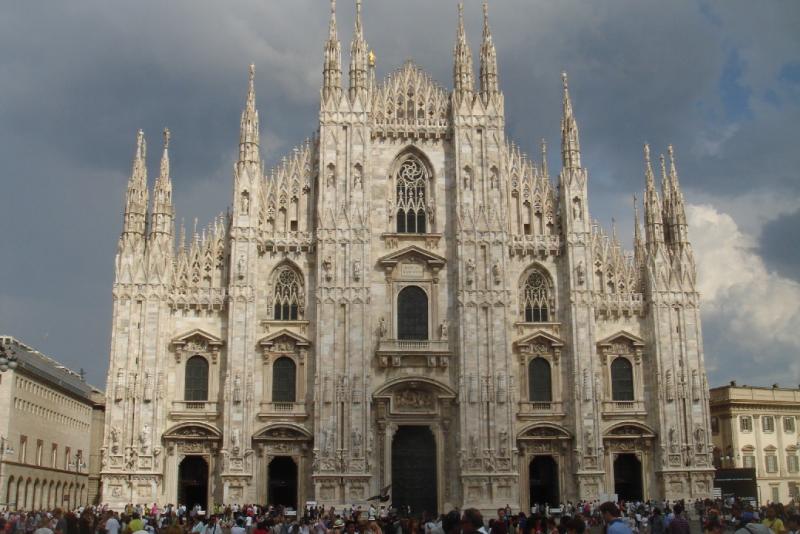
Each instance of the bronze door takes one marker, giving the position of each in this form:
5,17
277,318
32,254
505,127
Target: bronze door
414,470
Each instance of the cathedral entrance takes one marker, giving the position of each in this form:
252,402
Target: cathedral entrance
193,482
414,470
628,477
282,476
543,476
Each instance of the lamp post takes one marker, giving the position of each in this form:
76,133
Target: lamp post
8,358
77,464
5,448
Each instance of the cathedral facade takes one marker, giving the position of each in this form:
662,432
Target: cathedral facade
407,301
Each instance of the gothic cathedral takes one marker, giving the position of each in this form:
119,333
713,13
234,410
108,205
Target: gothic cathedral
405,300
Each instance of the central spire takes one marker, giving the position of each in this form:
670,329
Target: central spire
249,129
489,79
359,58
332,70
570,144
463,83
161,218
136,197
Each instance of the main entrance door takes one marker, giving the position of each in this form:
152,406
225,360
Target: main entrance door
414,470
628,477
193,482
543,476
282,478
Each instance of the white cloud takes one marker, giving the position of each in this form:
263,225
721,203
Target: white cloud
758,310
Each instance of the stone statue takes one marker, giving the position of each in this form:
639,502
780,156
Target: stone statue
245,203
357,178
235,440
357,270
503,448
473,445
496,273
580,273
237,388
443,328
240,265
114,441
144,439
470,271
356,440
673,440
382,328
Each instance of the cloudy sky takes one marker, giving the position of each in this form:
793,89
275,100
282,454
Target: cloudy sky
718,79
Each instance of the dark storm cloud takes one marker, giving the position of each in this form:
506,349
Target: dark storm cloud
77,79
779,245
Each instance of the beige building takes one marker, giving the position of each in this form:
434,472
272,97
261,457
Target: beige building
46,424
405,299
757,427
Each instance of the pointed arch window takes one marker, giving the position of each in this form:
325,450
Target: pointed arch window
622,379
412,313
411,180
537,298
284,373
196,379
288,297
540,385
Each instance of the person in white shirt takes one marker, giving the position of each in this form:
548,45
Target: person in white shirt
238,528
112,525
44,527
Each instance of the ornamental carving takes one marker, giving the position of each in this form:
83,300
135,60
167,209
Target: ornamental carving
414,400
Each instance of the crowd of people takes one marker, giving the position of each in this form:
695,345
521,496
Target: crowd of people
712,517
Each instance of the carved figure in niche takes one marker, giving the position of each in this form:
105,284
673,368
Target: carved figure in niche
245,203
133,456
588,437
114,441
470,271
496,273
673,440
237,388
597,386
473,445
357,270
580,273
119,389
330,442
443,329
430,209
503,448
330,179
357,177
327,266
383,330
235,440
356,440
700,438
577,212
493,178
147,394
467,178
240,264
144,439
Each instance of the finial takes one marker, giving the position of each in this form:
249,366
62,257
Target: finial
564,79
461,18
371,58
671,153
141,144
485,17
647,154
166,138
663,165
358,15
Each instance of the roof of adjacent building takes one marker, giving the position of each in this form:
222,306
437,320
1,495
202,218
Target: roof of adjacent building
744,394
51,371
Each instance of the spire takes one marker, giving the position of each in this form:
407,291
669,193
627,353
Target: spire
332,70
653,213
545,171
489,79
678,210
249,129
358,58
462,66
570,145
161,218
136,196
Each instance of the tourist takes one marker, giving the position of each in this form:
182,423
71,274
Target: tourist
611,516
657,522
679,524
793,524
472,522
772,521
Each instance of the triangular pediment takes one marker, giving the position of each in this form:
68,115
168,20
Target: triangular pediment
275,337
540,336
624,337
197,335
415,252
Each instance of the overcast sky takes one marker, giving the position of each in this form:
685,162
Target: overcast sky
719,80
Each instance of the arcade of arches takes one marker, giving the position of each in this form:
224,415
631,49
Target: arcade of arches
27,493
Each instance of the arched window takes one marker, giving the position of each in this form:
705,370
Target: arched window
288,299
283,380
412,313
621,380
196,383
536,298
540,387
411,179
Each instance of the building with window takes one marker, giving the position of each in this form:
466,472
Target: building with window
757,427
405,299
50,421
